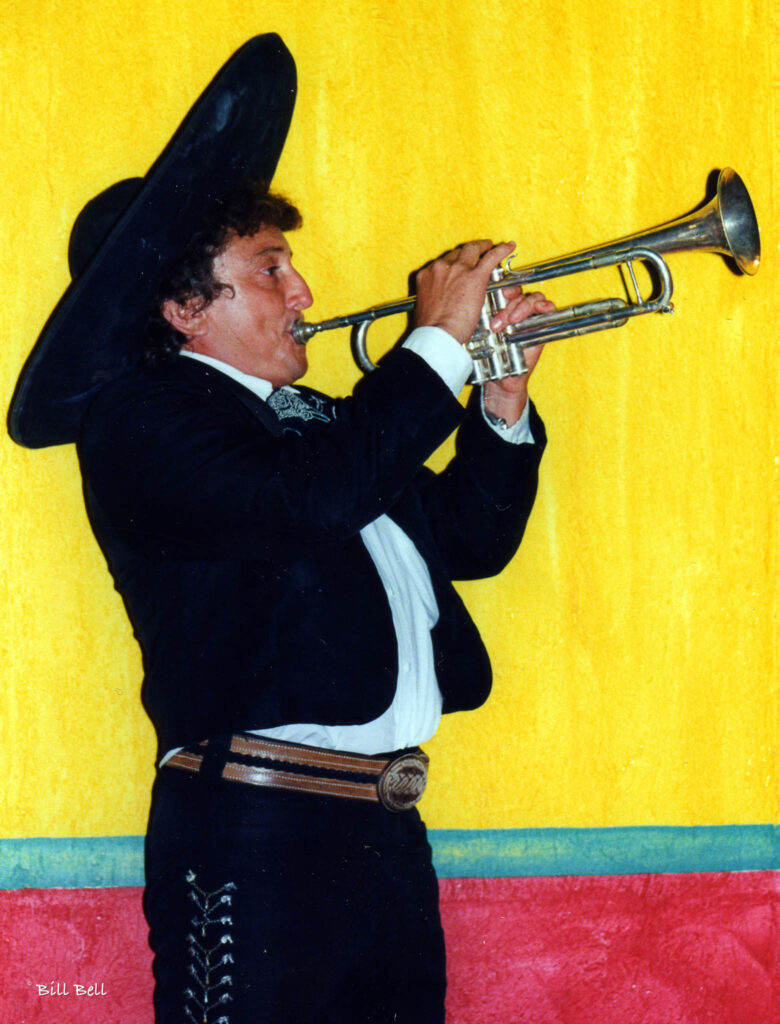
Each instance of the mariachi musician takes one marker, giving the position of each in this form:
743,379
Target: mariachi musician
286,561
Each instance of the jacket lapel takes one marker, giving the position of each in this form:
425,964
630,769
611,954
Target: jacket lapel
214,380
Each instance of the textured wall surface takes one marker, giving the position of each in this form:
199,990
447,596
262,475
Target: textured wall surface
634,635
644,949
634,638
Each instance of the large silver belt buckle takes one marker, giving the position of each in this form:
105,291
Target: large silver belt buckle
402,783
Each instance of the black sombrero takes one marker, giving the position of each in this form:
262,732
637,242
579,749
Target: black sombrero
124,237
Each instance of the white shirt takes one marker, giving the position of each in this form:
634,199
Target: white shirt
414,714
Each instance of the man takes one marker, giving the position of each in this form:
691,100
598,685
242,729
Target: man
289,577
286,561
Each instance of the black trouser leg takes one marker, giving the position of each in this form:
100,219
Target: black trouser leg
268,907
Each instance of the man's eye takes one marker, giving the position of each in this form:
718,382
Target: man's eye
270,271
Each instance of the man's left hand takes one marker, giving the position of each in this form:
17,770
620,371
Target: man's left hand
507,398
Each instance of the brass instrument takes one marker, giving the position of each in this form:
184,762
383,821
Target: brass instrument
726,225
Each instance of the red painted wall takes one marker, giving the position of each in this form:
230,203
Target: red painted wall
640,949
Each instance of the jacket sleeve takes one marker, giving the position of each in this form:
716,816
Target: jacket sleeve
169,465
478,507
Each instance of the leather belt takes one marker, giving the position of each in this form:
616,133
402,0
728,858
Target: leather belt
397,781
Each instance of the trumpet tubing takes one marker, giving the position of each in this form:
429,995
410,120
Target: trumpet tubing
727,225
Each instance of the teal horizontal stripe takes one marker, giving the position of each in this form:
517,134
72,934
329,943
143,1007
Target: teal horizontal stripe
106,861
71,863
535,852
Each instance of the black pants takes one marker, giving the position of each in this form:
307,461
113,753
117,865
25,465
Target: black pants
271,907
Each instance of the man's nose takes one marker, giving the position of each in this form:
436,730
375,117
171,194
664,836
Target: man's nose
298,295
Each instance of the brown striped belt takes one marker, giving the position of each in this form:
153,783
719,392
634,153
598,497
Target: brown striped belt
397,781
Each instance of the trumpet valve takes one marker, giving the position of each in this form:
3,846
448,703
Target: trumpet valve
516,359
492,352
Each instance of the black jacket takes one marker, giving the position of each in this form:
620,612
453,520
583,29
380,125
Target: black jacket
235,544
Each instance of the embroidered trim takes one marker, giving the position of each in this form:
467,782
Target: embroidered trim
290,404
207,968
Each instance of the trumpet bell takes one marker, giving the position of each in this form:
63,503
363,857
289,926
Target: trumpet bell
726,225
740,226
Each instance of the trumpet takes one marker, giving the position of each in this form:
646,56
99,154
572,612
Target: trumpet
726,225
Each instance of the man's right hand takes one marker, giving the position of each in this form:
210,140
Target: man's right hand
451,290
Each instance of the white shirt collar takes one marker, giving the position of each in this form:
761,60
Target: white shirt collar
257,385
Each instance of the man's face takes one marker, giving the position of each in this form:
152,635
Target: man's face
248,324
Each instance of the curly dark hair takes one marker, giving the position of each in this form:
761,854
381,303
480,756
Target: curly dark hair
191,276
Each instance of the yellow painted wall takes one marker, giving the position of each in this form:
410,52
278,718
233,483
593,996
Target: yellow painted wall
635,636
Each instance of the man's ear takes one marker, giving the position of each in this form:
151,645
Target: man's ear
187,317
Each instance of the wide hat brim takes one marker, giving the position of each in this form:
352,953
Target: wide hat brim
234,132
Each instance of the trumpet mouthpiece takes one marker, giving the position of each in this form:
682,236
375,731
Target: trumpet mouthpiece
301,331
